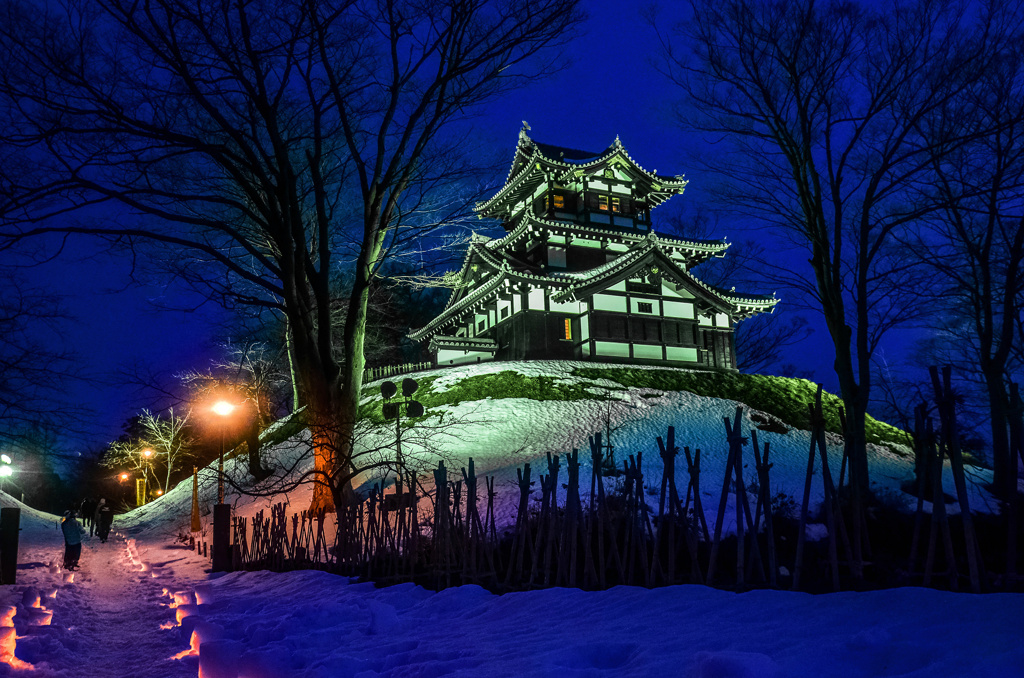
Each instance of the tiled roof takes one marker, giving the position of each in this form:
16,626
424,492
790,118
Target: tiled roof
464,343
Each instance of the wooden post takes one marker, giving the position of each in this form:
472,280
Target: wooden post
801,536
940,522
570,527
944,398
1016,416
668,463
764,499
733,470
519,536
924,443
10,526
473,536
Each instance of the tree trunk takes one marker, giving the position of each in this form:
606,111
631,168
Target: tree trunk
1004,470
252,442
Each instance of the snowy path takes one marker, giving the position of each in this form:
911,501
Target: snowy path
106,617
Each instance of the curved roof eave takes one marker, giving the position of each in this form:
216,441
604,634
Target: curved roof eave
664,187
505,277
710,247
620,269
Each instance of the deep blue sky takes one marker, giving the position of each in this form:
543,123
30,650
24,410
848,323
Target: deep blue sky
610,89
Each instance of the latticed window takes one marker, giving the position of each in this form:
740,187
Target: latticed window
568,329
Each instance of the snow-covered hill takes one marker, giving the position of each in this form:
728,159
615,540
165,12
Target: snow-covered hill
506,414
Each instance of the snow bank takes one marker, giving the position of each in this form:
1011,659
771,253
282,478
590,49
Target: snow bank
313,625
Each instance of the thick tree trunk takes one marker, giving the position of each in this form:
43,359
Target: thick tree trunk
856,413
334,411
252,443
1004,470
834,311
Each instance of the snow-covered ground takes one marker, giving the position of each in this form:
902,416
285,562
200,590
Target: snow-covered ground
143,607
146,609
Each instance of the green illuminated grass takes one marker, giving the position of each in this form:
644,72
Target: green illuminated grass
507,384
785,398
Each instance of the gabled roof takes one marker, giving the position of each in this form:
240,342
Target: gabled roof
653,256
496,273
535,162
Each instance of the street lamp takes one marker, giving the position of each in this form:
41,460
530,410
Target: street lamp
142,486
222,408
5,470
221,511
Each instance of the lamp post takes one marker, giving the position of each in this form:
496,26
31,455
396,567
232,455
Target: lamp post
222,408
221,511
143,497
393,410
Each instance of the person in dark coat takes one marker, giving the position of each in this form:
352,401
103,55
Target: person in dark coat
104,518
72,540
88,512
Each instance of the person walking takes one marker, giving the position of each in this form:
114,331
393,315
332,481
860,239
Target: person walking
72,540
88,514
104,518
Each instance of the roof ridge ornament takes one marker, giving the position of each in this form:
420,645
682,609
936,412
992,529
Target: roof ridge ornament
617,143
524,138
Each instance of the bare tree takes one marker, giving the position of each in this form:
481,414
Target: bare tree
126,454
34,369
824,102
167,437
977,242
270,142
761,341
251,376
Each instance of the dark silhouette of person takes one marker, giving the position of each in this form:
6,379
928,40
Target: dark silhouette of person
73,533
104,518
88,513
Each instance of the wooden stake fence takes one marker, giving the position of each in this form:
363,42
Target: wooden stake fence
608,537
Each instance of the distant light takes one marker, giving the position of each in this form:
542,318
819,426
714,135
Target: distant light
223,408
5,459
6,471
159,492
124,476
148,452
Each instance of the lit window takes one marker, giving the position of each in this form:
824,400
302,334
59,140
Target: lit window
602,203
616,205
568,329
557,200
